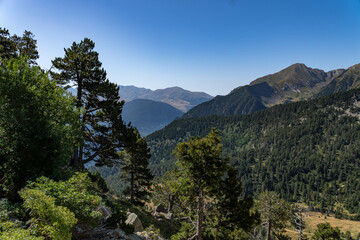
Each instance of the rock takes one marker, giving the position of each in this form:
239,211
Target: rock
168,216
106,212
160,209
135,237
134,220
117,234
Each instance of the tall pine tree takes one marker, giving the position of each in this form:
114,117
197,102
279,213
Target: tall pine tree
202,165
135,167
103,129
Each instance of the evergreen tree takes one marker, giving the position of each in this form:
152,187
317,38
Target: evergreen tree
167,190
202,166
7,46
26,46
274,213
13,46
326,231
232,212
135,167
103,129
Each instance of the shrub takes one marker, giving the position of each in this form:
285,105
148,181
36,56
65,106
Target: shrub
47,219
11,231
73,194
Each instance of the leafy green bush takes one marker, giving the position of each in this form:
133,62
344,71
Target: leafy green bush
47,219
73,194
10,210
11,231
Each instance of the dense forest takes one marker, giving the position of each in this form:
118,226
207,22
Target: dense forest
52,144
306,151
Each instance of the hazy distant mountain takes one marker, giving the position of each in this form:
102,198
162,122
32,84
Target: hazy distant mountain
148,115
294,83
175,96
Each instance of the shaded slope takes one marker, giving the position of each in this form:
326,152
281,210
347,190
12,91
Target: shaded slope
241,100
149,116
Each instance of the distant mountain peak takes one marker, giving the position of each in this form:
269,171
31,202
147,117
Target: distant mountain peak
294,83
175,96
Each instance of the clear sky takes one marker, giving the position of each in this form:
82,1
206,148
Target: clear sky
200,45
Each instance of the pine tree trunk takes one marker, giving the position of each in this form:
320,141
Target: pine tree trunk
200,214
268,230
132,195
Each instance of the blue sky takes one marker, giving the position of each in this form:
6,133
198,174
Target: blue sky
200,45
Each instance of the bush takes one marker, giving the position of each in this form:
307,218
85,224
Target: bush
11,231
10,210
47,219
73,194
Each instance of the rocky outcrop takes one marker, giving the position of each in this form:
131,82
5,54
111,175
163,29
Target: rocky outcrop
133,219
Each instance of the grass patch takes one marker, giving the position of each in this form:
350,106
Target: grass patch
315,218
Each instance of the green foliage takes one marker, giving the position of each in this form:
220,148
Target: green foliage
326,231
152,232
10,210
99,181
38,126
15,46
102,128
211,195
135,167
118,217
73,194
275,212
47,219
306,150
231,212
186,231
12,231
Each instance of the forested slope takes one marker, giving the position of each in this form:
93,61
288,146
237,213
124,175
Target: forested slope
305,151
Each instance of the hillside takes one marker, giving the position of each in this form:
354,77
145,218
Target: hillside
294,83
306,150
148,116
348,79
175,96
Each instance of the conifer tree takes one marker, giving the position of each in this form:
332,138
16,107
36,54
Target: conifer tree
231,211
200,161
135,167
103,129
26,46
15,46
274,211
7,46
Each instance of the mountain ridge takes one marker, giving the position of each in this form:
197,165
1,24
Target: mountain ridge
294,83
175,96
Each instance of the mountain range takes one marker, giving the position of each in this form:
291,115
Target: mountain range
294,83
175,96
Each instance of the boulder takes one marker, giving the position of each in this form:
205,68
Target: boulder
135,237
133,219
105,212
